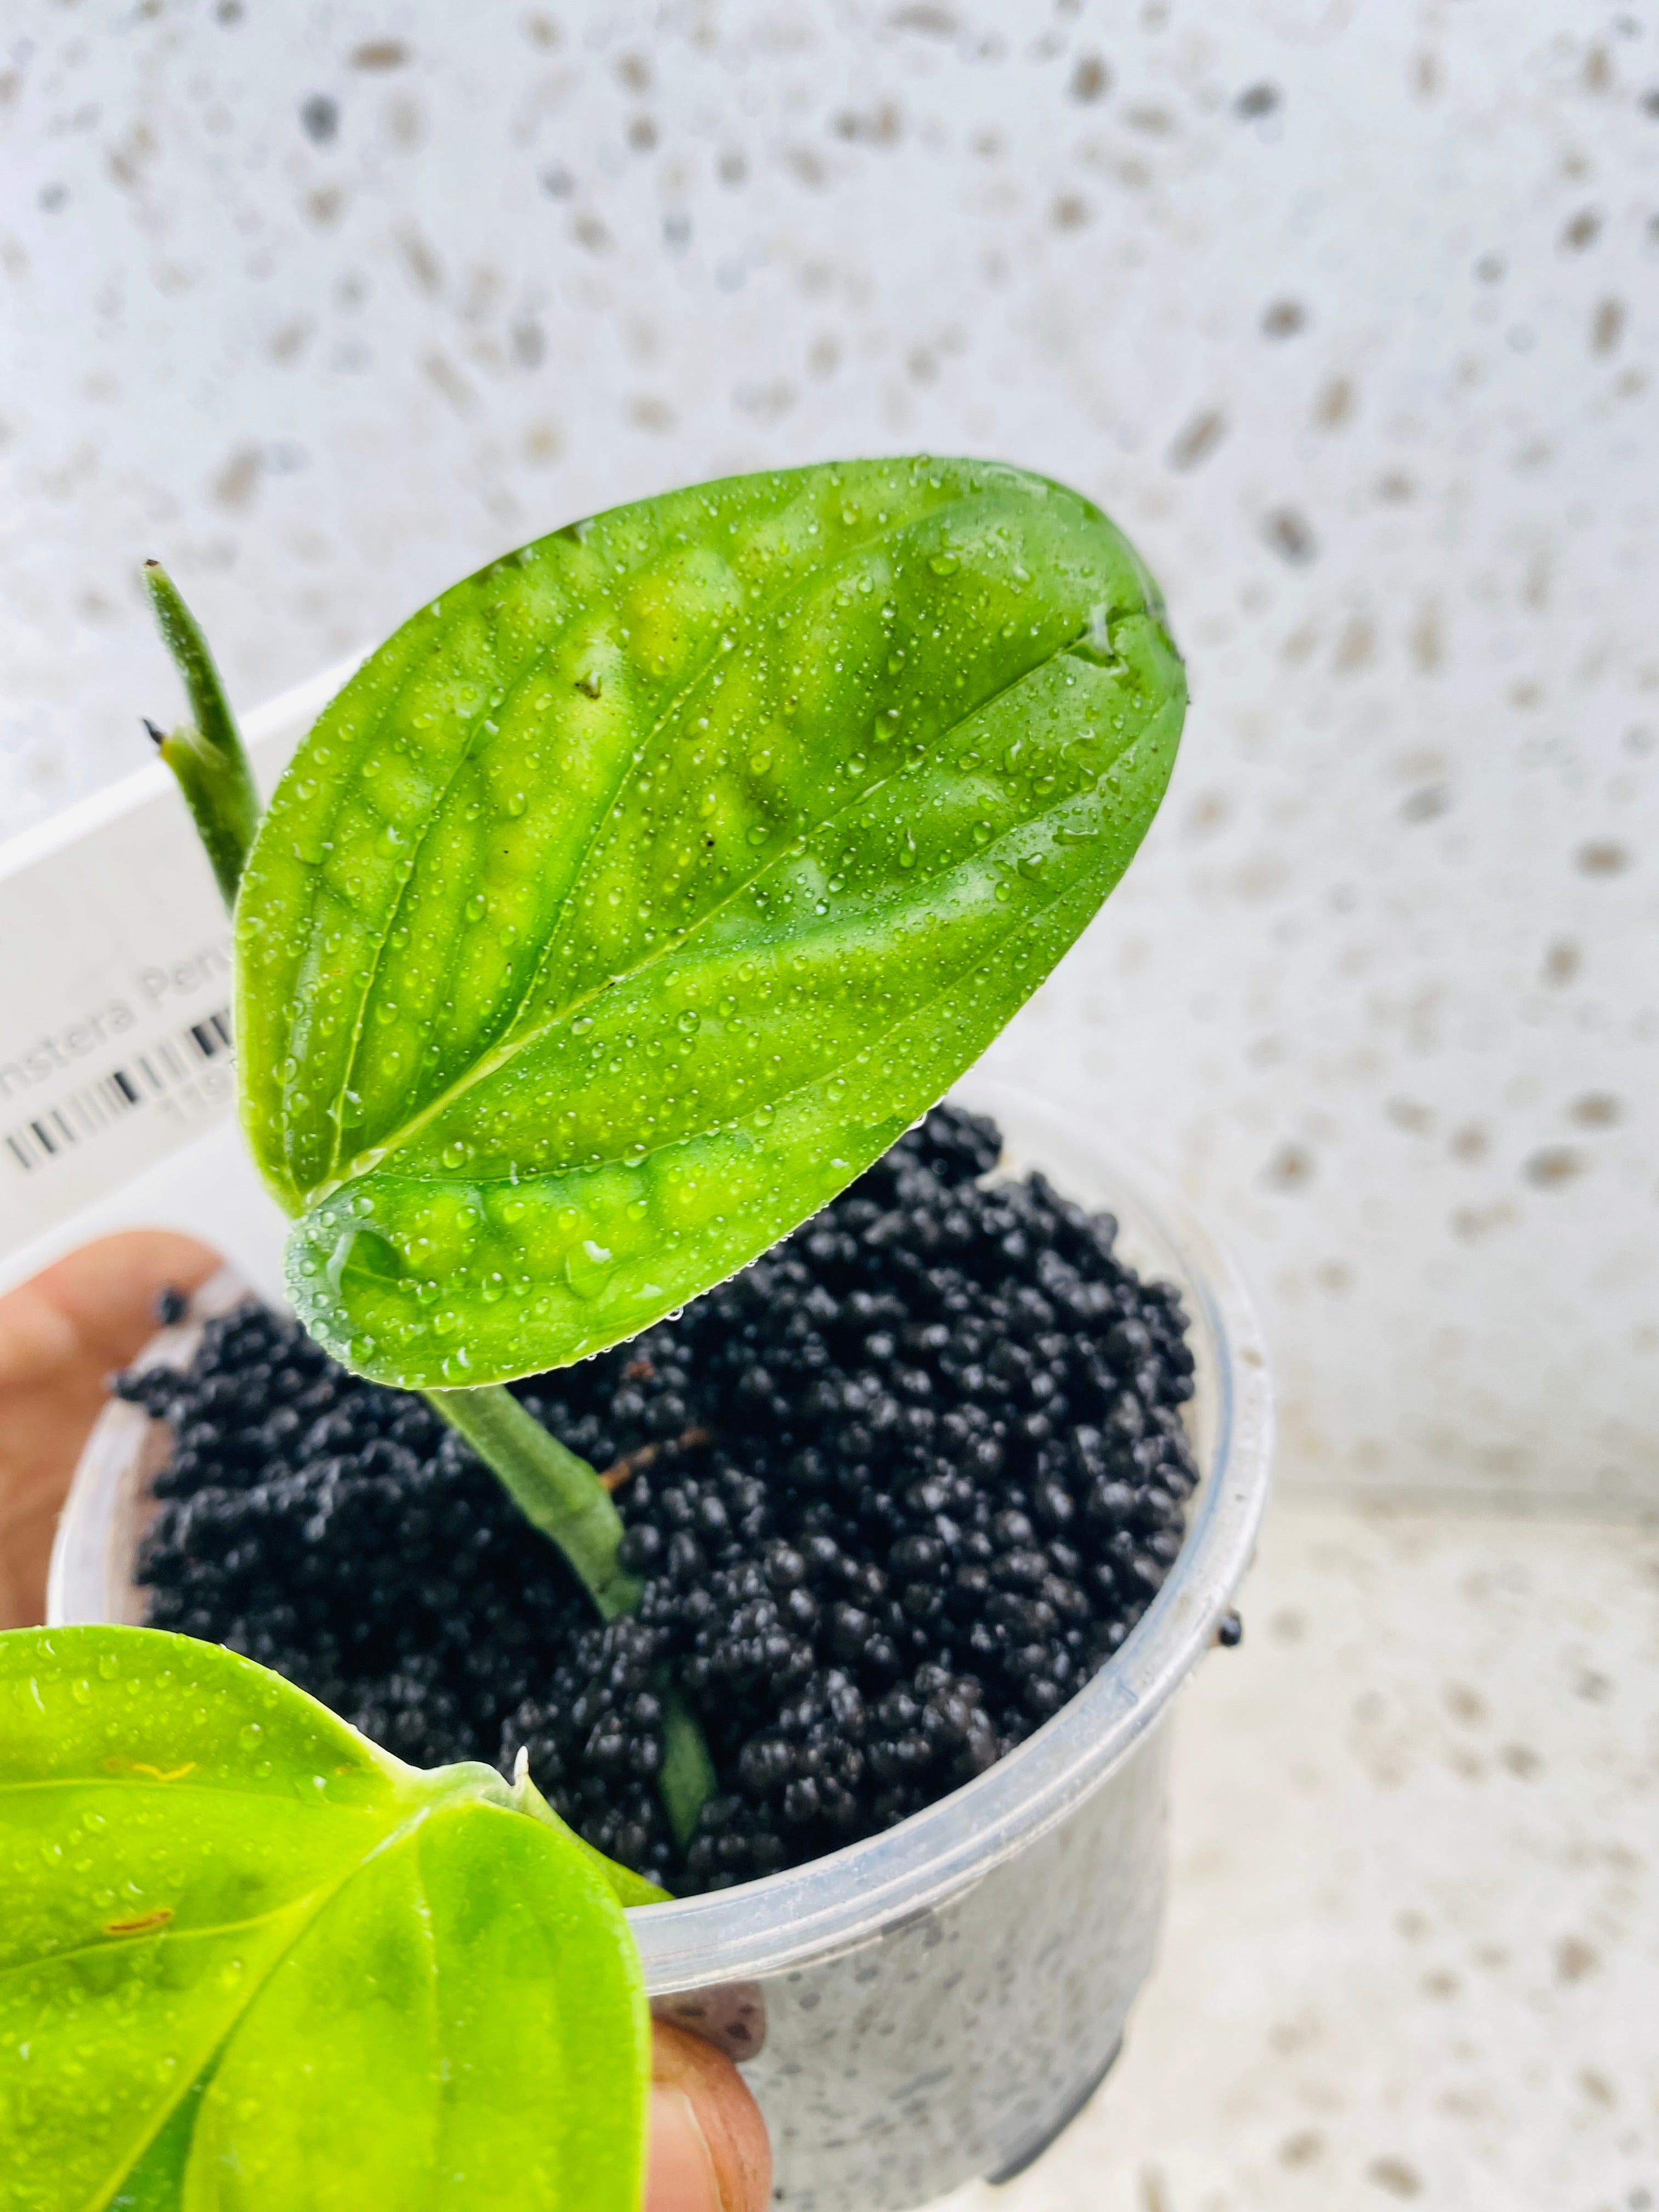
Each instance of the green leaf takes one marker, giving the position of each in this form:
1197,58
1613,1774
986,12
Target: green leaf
643,888
249,1963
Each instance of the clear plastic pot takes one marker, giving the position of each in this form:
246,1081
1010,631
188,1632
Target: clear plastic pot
933,2004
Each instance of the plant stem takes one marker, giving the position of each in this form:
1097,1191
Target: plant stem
207,758
554,1489
563,1497
688,1776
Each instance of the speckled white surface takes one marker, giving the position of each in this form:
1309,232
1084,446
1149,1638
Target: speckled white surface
1413,1938
1344,307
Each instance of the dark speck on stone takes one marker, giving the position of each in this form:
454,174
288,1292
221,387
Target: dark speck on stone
1290,537
1092,79
917,1472
319,118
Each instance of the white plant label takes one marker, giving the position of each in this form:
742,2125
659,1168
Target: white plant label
115,1029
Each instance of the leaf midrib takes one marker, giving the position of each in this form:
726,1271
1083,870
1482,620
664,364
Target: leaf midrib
512,1043
1035,909
534,670
751,616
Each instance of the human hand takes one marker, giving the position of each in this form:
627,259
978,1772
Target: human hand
61,1335
710,2151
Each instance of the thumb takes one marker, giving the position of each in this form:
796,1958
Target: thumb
709,2150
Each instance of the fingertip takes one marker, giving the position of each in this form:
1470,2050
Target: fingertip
709,2150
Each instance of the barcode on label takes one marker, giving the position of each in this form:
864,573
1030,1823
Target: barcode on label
185,1071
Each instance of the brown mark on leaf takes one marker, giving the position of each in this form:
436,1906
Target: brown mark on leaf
1582,232
143,1925
379,54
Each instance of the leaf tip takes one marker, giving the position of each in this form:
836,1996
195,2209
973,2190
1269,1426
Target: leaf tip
156,736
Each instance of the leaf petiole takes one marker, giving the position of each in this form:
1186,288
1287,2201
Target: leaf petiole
688,1776
563,1497
554,1489
208,756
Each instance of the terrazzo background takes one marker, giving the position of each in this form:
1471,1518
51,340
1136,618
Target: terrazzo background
1413,1927
1344,307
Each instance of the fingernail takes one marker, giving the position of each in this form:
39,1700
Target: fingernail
681,2167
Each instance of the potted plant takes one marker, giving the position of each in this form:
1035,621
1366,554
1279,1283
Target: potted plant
628,906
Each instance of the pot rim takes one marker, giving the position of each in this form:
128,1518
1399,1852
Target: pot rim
867,1889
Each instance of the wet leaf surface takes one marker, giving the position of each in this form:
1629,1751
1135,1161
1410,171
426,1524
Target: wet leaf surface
641,889
249,1963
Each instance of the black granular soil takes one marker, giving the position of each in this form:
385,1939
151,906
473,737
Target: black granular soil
894,1492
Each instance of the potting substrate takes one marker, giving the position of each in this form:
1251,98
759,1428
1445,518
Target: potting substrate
894,1493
